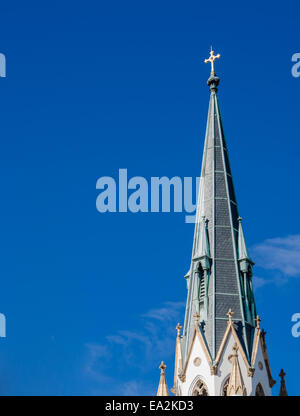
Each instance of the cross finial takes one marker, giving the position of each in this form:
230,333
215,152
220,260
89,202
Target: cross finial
282,374
257,320
230,315
178,327
162,367
212,59
283,390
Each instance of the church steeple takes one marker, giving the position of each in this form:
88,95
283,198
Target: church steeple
219,283
220,274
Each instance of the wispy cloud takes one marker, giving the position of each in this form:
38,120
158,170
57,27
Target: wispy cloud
281,255
167,312
127,356
259,282
95,355
136,388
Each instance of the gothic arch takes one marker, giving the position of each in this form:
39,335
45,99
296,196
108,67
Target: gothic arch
259,391
199,388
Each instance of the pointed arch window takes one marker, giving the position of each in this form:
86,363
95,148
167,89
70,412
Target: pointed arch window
259,391
200,389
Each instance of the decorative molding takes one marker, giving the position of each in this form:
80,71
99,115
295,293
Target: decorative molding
197,332
236,386
257,337
178,357
266,358
197,361
230,328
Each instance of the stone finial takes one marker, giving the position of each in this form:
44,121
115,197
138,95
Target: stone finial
162,367
178,327
282,374
230,314
162,387
258,321
236,386
283,390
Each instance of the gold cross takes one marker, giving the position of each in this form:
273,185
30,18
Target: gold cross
212,59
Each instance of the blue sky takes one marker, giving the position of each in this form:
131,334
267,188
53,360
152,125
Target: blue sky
92,300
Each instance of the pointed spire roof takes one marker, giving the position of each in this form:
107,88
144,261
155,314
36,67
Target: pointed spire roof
218,240
202,249
162,387
178,358
242,248
236,386
283,390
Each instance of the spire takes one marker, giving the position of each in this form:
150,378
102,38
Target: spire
203,250
217,243
243,251
162,387
244,257
283,390
236,386
178,358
